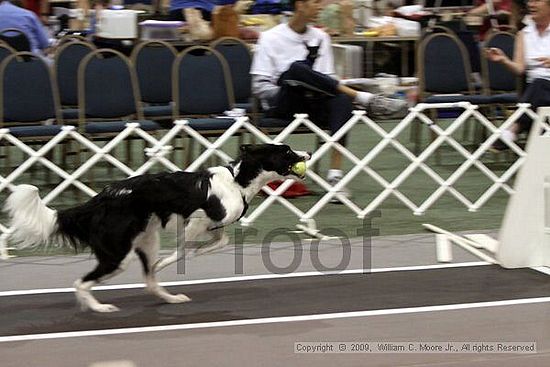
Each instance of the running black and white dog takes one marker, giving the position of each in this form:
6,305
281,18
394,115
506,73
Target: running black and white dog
127,215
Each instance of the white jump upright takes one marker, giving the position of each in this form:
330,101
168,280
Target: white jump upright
524,239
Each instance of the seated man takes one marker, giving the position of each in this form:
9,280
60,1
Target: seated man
532,58
296,53
12,16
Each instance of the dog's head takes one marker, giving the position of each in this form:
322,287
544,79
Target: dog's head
275,158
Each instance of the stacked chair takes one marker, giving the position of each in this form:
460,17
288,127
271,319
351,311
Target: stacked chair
153,62
29,103
108,97
67,59
445,75
16,39
202,91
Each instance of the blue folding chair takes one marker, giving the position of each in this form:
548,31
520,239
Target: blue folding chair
28,97
202,88
66,61
71,38
238,57
108,96
444,74
499,82
444,71
29,102
153,61
202,91
16,38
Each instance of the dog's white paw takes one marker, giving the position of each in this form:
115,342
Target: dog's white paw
105,308
177,298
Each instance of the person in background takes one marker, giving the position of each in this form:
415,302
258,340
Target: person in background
12,16
39,7
519,12
532,59
197,14
296,51
205,7
98,6
502,9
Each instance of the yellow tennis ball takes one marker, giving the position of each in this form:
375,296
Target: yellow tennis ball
299,168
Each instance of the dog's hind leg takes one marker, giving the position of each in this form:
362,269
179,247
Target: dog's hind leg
103,271
146,246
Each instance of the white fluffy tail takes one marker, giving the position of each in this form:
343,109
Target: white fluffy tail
32,222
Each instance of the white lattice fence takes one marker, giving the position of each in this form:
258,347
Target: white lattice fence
158,148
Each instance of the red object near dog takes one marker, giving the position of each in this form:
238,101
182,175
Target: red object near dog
297,189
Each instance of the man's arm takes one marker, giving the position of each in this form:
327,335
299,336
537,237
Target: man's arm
40,33
263,72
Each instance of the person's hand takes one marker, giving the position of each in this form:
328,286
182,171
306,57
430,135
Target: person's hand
544,61
495,54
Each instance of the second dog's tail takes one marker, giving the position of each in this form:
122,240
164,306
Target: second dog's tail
32,222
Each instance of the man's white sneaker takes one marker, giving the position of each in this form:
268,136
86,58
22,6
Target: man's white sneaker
386,108
344,191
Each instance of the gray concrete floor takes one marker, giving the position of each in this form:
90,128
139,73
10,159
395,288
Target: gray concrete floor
391,251
273,344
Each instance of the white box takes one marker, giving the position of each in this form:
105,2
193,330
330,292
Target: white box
348,61
120,24
160,30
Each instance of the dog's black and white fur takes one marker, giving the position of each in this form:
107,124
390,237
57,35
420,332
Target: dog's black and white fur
127,215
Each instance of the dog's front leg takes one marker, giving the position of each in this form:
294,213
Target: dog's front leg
219,240
165,261
147,245
194,228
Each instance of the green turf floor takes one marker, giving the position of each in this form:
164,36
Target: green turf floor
395,217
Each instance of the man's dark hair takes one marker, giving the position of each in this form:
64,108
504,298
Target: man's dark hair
292,3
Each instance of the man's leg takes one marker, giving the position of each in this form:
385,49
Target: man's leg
301,71
377,106
335,112
334,109
340,111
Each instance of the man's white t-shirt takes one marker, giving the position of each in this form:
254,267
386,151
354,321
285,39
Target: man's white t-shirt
280,46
